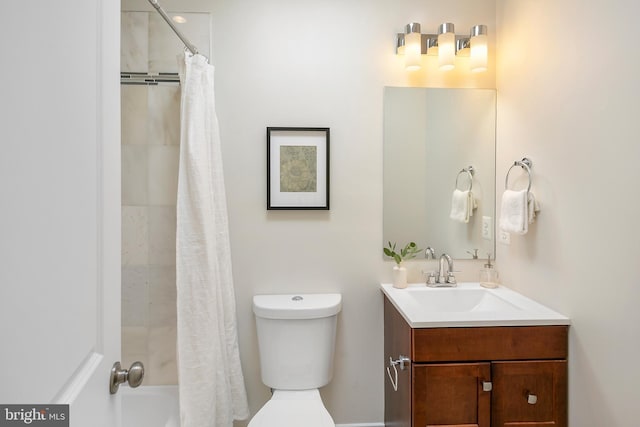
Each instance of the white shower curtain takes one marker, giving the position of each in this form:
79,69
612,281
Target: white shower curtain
212,391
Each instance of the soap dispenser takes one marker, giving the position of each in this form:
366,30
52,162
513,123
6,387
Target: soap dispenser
489,275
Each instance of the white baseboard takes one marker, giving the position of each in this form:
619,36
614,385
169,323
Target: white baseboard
361,425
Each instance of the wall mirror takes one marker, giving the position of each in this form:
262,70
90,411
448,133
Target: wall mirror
430,136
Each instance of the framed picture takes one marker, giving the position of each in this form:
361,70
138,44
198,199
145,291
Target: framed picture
297,168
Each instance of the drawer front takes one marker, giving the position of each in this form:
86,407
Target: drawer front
489,343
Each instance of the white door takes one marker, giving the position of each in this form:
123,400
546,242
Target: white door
60,206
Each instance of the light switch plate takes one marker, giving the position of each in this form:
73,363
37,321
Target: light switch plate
486,227
504,237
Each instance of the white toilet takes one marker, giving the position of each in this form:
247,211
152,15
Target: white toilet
296,339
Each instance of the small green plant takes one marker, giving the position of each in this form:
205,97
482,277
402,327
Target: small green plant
408,252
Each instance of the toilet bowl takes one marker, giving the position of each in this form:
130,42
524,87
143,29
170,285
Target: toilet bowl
293,408
296,341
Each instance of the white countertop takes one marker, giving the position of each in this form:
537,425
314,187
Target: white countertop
469,305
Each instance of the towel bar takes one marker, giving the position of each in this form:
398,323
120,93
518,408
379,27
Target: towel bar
470,171
525,164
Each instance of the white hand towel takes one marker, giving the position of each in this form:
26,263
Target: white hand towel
462,205
513,212
532,208
518,210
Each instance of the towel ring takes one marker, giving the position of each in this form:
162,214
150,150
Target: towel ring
469,171
525,164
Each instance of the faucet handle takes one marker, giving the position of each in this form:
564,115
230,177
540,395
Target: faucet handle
431,277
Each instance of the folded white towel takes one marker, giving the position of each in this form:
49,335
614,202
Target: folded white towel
532,208
518,210
462,205
514,212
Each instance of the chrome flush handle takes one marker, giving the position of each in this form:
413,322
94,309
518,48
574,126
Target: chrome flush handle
401,361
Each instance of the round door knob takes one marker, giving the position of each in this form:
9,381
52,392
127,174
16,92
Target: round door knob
133,376
136,374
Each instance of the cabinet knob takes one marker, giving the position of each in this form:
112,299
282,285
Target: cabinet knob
532,399
487,386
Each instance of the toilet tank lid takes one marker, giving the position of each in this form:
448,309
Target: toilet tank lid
297,306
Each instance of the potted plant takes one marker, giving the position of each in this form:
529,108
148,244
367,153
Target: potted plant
399,271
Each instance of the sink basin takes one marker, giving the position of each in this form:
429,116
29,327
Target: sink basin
459,300
468,305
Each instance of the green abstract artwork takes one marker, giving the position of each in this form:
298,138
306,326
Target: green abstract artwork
298,169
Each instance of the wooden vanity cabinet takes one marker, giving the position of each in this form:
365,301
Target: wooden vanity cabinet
475,377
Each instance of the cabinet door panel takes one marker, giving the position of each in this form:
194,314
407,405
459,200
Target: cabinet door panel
451,395
531,394
397,342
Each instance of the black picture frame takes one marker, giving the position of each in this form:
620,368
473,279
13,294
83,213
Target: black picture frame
298,168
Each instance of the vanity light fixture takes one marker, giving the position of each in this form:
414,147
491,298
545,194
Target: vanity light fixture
412,47
445,45
478,60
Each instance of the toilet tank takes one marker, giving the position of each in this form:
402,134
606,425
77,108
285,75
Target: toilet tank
296,339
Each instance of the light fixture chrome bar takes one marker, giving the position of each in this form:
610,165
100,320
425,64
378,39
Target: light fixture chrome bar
166,17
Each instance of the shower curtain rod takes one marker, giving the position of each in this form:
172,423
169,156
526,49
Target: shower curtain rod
166,17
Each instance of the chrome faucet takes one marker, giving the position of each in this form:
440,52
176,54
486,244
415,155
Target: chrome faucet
446,278
429,252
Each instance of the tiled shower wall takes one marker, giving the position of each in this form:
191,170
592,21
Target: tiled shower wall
150,150
149,182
